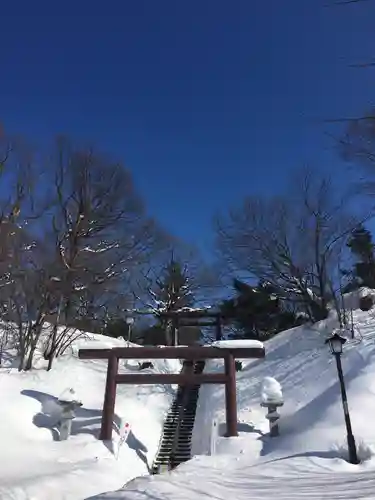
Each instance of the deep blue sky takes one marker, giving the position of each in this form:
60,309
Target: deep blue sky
204,100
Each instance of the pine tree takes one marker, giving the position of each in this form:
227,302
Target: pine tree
256,311
361,244
362,248
172,292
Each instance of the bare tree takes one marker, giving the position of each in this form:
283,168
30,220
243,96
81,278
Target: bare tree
97,229
73,247
18,175
347,2
358,142
291,241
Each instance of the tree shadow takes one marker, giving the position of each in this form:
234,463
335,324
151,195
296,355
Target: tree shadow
87,420
329,454
140,449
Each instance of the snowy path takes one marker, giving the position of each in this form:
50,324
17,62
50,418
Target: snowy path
297,479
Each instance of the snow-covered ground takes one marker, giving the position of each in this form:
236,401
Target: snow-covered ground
307,460
34,465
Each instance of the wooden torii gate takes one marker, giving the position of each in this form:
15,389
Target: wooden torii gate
196,317
184,379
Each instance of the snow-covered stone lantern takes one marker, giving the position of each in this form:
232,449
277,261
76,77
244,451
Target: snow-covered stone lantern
272,399
68,404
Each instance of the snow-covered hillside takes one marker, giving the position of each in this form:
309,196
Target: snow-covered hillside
34,465
307,460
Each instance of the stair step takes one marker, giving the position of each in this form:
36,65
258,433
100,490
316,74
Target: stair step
178,425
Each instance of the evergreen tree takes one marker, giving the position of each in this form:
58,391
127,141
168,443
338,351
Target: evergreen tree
361,244
172,289
362,248
257,312
172,292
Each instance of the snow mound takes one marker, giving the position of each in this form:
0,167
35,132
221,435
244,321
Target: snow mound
351,300
271,391
35,465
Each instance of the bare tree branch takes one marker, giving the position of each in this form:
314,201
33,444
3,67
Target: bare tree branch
290,241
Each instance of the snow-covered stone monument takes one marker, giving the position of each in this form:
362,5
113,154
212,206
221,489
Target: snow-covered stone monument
68,404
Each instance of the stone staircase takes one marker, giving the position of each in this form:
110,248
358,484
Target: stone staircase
175,443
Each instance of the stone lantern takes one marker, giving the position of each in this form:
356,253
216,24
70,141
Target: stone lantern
68,404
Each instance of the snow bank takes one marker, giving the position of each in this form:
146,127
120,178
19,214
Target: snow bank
308,458
351,299
35,465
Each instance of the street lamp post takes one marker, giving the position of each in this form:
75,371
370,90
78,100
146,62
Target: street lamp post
335,343
130,322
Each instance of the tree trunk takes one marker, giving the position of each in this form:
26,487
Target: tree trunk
34,332
29,361
53,349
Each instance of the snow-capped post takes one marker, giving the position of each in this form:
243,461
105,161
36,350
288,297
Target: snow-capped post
68,404
130,322
272,398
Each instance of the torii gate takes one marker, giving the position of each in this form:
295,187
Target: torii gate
185,379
